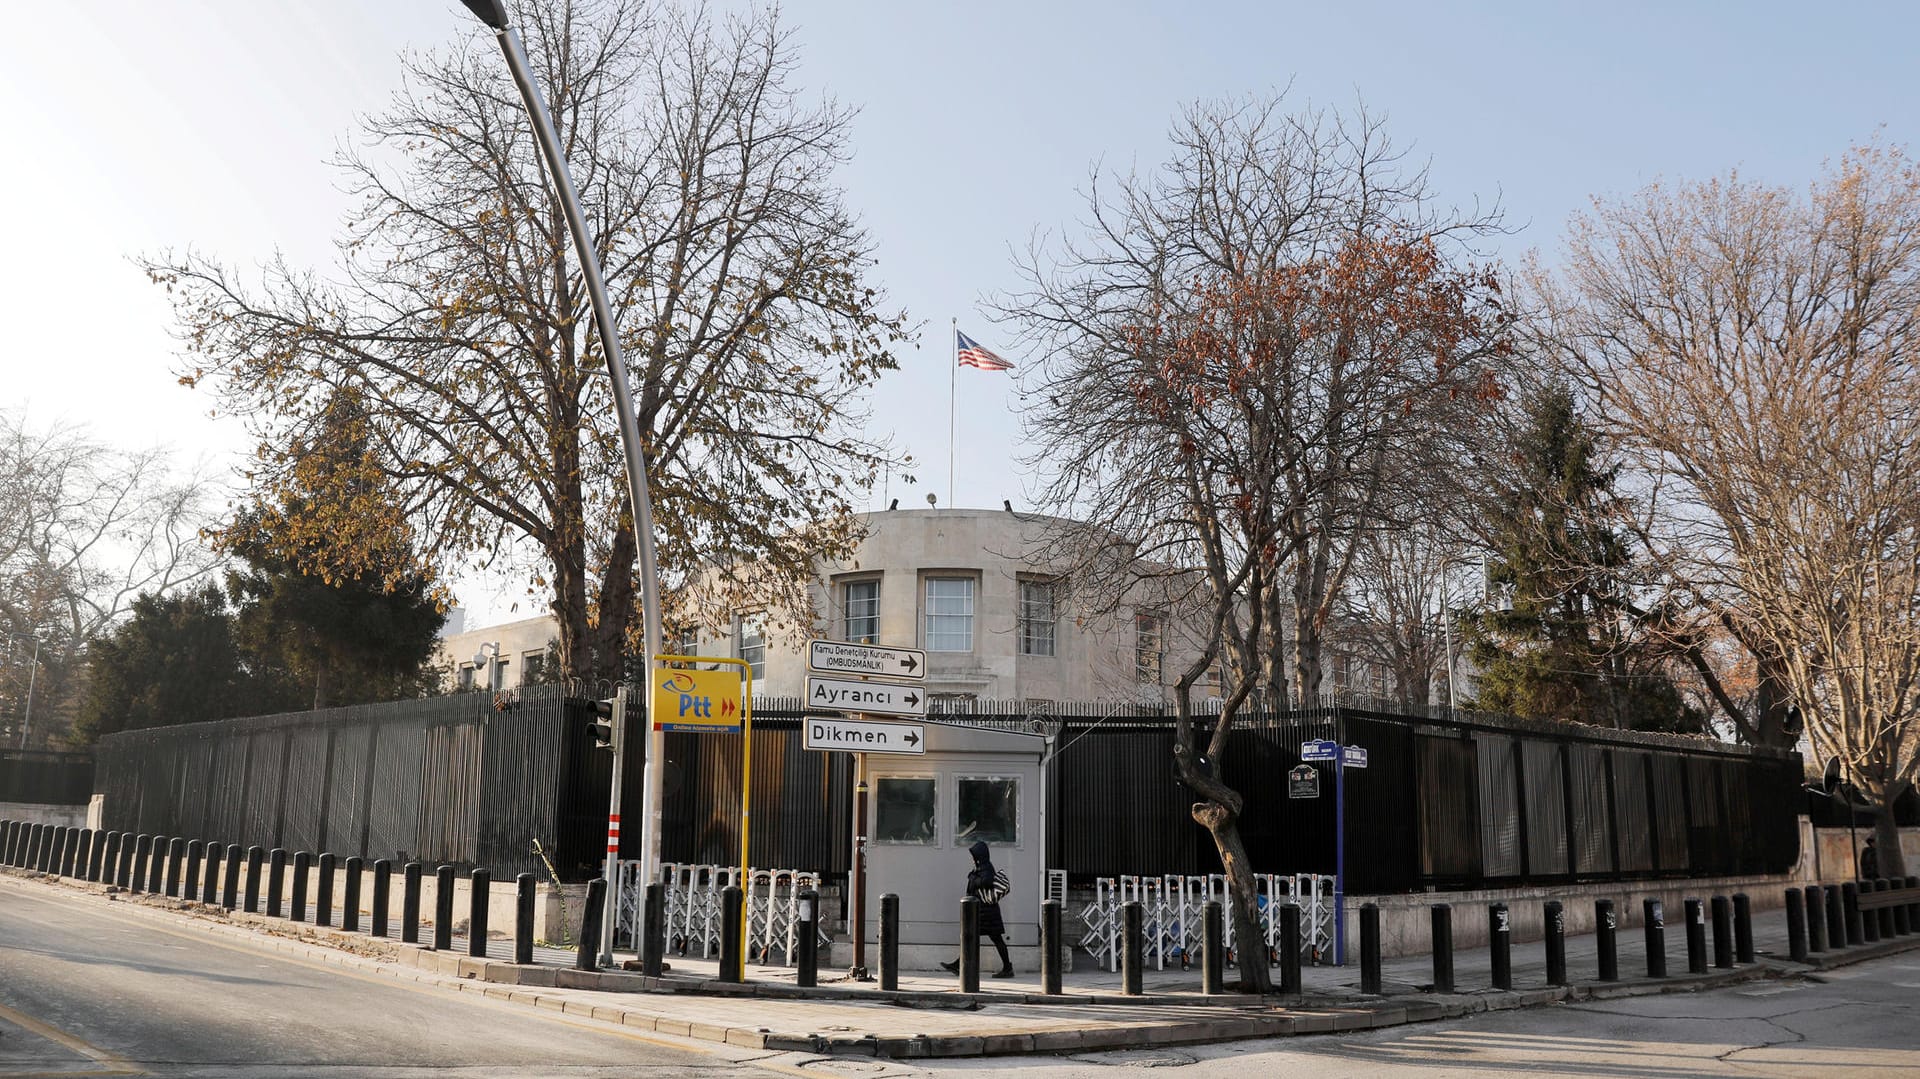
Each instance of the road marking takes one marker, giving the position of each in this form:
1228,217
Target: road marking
111,1063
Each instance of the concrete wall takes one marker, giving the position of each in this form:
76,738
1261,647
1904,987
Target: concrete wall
1827,857
35,813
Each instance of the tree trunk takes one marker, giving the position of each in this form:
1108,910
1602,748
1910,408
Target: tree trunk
1886,834
1224,826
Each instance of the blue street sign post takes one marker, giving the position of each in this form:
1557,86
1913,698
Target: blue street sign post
1342,758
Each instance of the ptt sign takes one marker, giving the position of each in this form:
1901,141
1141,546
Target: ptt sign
699,701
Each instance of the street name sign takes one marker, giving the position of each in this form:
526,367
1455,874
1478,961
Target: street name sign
883,661
861,736
703,702
877,698
1319,749
1303,781
1353,757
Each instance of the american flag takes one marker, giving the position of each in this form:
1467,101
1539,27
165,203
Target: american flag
972,354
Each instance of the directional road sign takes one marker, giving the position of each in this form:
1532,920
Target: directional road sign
885,661
1319,749
699,701
862,736
853,695
1353,757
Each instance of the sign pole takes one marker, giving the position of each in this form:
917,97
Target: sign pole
746,813
610,914
859,971
1340,858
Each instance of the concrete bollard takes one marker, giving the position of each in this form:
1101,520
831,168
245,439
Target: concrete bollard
1796,925
157,865
256,860
355,870
231,886
889,942
587,955
1555,918
523,894
480,892
323,891
807,948
110,861
1051,947
210,887
443,911
653,951
1655,915
1442,948
97,857
1213,954
382,895
1500,944
970,946
1289,949
410,903
276,881
1722,932
76,838
190,877
176,861
142,858
302,871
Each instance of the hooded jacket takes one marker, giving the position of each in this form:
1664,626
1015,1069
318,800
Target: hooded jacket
987,885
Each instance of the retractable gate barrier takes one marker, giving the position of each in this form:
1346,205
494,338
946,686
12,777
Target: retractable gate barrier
1173,909
692,900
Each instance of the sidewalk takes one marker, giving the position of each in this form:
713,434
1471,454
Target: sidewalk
928,1017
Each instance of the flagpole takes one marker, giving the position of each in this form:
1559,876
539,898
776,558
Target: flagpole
953,382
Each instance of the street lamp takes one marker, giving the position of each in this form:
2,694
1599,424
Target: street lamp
1446,626
494,15
33,674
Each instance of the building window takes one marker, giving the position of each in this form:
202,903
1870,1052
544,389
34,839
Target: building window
949,614
986,808
903,810
464,680
860,603
533,669
1148,647
497,675
1036,618
753,643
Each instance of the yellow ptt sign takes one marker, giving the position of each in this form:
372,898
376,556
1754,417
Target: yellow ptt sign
700,701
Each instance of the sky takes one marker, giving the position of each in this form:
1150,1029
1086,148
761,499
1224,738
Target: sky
136,128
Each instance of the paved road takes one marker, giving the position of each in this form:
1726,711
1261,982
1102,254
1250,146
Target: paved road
90,992
1861,1021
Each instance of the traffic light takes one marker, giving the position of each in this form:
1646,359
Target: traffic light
602,725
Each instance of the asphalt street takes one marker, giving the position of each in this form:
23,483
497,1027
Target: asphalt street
91,992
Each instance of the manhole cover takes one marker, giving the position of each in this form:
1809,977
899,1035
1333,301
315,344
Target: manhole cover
1140,1058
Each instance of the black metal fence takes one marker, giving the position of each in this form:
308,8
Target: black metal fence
37,777
1443,803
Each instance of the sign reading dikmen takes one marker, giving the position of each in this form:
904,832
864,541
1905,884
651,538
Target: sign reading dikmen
699,701
864,736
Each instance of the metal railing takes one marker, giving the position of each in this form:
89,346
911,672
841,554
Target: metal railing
692,900
1173,907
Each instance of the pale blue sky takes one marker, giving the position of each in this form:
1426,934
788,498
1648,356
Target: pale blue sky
133,126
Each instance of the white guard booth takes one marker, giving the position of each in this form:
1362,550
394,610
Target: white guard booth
924,812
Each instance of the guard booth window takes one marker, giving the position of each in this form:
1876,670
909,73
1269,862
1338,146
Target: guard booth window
986,808
904,810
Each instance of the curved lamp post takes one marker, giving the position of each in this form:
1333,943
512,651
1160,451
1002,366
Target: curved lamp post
494,15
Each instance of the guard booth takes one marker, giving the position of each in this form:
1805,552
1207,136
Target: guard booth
923,813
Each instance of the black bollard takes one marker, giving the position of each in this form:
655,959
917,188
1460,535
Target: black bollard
733,949
1913,904
970,946
110,861
323,890
231,886
523,894
410,903
479,894
355,873
190,879
1742,928
1870,919
443,910
889,941
1555,918
1796,925
210,887
176,861
78,836
1696,936
1289,948
6,841
653,951
97,857
157,865
50,855
1133,947
1442,948
1370,949
256,858
353,878
302,869
1881,886
1815,918
1900,927
1051,946
1836,917
587,955
142,858
32,858
382,895
1213,953
1722,932
276,881
1655,915
807,948
1500,943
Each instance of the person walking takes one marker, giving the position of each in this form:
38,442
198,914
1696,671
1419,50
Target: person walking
988,886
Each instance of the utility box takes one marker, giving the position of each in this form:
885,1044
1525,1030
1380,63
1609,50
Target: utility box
925,811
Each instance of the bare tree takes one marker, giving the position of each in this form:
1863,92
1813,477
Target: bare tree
458,317
1754,348
1248,364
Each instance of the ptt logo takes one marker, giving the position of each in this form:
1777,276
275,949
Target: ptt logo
694,704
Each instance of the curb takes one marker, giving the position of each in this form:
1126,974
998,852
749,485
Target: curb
1240,1019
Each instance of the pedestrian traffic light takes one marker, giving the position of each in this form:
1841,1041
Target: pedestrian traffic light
602,725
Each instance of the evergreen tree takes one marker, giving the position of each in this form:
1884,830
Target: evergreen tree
1563,646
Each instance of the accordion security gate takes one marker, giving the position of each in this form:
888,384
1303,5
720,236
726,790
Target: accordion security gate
692,898
1172,909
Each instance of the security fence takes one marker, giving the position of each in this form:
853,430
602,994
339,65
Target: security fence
1172,909
691,897
39,777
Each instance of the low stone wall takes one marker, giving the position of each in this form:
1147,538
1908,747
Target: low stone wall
36,813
